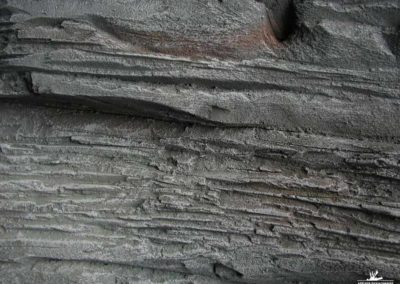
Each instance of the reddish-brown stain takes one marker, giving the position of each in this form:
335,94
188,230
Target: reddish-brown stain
258,37
239,44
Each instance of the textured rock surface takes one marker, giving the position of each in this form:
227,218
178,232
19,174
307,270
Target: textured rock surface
199,141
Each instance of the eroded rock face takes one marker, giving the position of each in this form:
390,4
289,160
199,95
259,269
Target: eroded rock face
199,141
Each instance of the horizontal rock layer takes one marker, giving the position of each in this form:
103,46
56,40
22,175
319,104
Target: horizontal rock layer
337,72
199,141
242,204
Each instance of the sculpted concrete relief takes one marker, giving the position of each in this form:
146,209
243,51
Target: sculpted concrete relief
199,141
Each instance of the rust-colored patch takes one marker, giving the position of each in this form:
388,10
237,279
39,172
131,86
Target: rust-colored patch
242,44
258,37
239,44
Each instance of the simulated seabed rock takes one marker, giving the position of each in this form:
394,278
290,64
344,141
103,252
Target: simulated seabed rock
199,141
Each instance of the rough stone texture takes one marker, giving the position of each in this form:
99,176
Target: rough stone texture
199,141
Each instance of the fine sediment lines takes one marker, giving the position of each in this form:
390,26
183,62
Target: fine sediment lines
236,141
253,205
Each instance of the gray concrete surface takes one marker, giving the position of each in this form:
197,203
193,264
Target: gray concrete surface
199,141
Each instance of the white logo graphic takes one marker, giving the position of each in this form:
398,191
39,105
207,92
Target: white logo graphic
374,278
